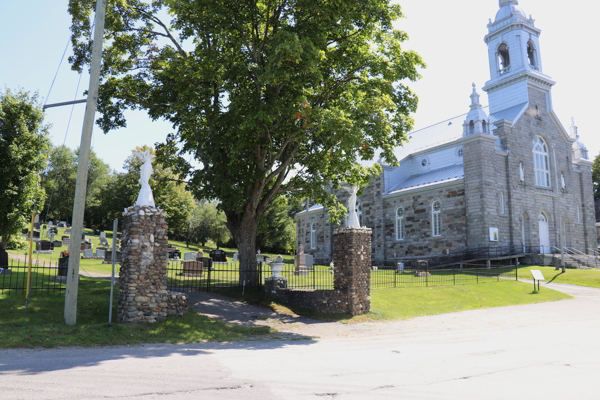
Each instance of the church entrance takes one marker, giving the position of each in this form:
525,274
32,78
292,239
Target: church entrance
544,235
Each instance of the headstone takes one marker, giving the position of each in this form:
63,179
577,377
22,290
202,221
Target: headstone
63,266
108,257
58,243
189,256
193,267
102,235
3,261
88,253
44,245
236,256
37,225
218,255
260,258
68,230
50,224
66,240
36,235
301,261
308,261
206,262
173,253
86,246
100,253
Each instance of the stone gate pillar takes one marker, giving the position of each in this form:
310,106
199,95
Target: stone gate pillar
143,293
352,260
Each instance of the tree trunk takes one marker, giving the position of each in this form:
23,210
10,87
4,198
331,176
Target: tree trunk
4,242
245,236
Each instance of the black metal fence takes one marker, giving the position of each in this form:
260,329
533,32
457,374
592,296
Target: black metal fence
44,278
185,277
387,277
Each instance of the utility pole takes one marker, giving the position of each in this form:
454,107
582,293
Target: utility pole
82,170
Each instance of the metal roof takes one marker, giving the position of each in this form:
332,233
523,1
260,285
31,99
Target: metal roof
512,114
311,208
456,171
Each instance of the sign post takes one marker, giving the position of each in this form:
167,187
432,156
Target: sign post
537,275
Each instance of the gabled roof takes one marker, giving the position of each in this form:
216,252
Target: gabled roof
312,208
452,172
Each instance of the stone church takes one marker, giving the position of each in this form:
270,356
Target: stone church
507,175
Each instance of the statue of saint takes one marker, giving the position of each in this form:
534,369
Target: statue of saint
521,172
145,198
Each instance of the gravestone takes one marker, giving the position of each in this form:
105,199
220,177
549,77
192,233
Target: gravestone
4,262
88,253
50,224
63,266
173,253
25,231
108,257
85,246
236,257
308,261
100,253
44,245
218,255
68,230
102,235
301,261
66,240
58,243
189,256
37,225
193,267
36,234
206,262
260,258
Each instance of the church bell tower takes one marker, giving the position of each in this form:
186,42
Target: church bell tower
515,59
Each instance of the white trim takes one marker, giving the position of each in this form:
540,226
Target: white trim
313,232
403,221
436,219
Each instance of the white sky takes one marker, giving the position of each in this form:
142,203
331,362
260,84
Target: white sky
448,34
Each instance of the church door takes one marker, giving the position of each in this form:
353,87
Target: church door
544,235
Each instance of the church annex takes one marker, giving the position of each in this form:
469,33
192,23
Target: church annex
507,175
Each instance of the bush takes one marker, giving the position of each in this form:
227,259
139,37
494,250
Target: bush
16,242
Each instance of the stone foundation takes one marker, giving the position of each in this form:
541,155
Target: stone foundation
143,295
352,279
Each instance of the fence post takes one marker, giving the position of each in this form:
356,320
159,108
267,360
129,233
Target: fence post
454,275
477,272
208,279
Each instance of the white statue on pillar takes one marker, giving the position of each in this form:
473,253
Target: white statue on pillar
353,221
145,197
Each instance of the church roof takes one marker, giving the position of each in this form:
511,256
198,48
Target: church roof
512,114
312,208
436,176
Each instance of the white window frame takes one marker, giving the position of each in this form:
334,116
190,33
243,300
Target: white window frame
436,219
400,224
313,235
502,209
541,162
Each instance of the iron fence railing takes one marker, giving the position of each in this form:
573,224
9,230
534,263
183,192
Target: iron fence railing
386,277
45,278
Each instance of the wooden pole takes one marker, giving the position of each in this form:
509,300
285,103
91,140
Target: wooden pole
29,266
82,170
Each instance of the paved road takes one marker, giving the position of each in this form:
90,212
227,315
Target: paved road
543,351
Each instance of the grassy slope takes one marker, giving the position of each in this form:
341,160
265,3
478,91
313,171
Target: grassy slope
581,277
41,325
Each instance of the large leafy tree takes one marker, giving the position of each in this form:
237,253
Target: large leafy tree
24,147
273,97
596,177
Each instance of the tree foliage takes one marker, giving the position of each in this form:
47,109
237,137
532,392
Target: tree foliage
273,97
207,223
24,147
277,228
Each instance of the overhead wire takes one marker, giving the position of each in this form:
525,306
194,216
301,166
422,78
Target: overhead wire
58,69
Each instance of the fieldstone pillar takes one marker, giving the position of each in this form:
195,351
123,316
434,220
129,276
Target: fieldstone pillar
143,293
352,260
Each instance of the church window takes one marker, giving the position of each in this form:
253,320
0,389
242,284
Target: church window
313,235
424,162
400,224
531,55
485,127
503,59
540,162
471,128
501,202
460,152
436,219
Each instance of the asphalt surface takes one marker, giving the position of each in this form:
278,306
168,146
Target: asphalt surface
539,351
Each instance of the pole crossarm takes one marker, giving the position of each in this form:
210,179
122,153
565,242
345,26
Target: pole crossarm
65,103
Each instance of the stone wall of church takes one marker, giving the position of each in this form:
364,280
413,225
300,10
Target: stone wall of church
418,238
569,210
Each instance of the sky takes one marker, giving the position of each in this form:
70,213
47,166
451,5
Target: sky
448,35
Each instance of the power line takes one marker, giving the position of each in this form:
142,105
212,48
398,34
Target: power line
58,69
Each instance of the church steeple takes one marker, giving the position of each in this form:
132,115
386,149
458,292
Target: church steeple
477,120
514,57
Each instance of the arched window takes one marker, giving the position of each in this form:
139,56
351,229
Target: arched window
501,202
400,224
485,127
471,128
313,235
503,59
436,219
531,55
358,210
540,162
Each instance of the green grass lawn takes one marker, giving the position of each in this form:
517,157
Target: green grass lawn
41,325
581,277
